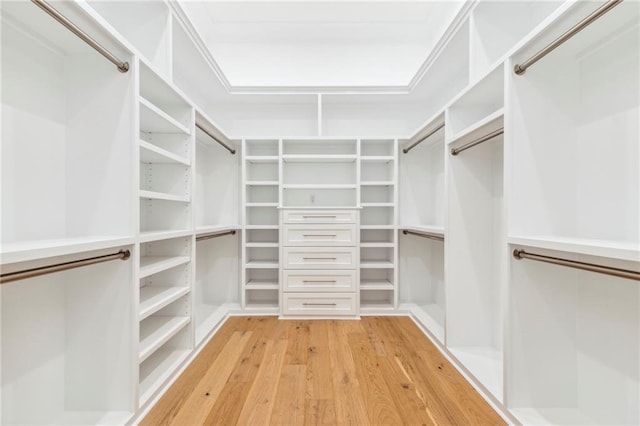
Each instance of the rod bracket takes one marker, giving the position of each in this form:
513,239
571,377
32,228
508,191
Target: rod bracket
124,67
518,69
126,254
517,254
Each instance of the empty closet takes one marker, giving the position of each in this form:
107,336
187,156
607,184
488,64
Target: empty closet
494,198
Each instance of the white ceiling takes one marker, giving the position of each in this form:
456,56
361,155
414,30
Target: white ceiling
320,43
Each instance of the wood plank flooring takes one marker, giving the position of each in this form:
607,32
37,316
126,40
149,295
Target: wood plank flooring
376,371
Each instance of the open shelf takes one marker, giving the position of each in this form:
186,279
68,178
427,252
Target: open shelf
259,159
602,248
263,264
155,297
262,285
155,120
158,368
376,285
151,195
327,158
150,153
156,331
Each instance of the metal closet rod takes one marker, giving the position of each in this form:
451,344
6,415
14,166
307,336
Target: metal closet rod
521,68
59,267
422,139
423,235
227,147
592,267
214,235
122,66
456,151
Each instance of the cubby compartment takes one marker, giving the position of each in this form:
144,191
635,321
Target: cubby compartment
421,265
158,215
162,288
165,180
67,162
262,279
574,344
422,182
310,172
475,253
320,197
162,364
159,328
376,300
262,299
217,184
262,216
158,256
144,24
263,257
67,352
574,120
318,147
482,102
498,26
262,236
377,257
377,279
262,194
262,148
377,148
377,216
262,171
374,171
377,194
376,237
216,281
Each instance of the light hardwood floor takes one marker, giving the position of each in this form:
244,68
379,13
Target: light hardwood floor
376,371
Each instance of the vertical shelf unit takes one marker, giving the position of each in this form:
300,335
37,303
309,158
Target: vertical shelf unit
574,335
475,245
422,217
166,174
260,218
378,196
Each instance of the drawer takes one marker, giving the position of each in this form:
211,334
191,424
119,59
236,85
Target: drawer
319,304
305,280
319,258
319,235
319,216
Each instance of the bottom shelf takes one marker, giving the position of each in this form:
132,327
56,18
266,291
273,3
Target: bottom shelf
376,300
262,300
555,416
485,363
156,369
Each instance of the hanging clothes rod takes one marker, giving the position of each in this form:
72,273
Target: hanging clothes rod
59,267
214,235
227,147
456,151
122,66
422,139
607,270
424,235
521,68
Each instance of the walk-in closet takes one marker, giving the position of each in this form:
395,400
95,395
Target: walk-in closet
170,167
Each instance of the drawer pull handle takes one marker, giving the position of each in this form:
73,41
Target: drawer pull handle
319,281
318,215
318,235
319,258
319,304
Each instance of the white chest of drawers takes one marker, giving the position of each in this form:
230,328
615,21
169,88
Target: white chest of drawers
319,268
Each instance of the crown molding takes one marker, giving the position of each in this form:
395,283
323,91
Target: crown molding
450,32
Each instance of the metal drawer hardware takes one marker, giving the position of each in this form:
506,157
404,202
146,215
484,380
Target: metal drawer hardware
319,281
122,66
319,304
591,267
319,258
322,216
521,68
318,235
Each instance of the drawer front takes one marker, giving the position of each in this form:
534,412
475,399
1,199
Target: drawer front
319,258
306,281
320,235
319,304
319,216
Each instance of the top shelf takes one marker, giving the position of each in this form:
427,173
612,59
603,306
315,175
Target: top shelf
602,248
